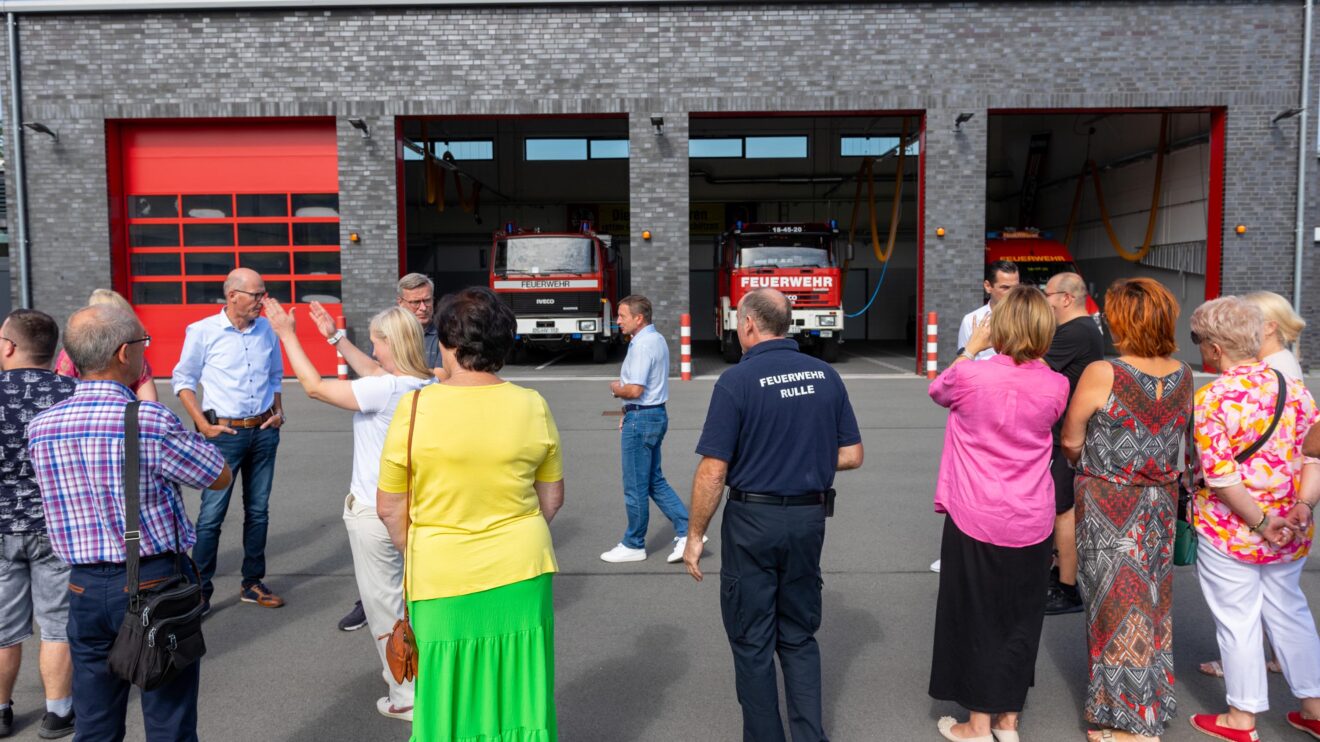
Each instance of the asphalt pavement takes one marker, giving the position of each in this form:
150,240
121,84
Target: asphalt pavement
640,650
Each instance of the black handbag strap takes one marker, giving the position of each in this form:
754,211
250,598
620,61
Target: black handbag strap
1278,413
132,478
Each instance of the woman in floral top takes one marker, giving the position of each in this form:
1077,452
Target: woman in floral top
1254,520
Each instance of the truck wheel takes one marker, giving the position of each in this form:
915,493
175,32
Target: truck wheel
829,350
729,347
600,352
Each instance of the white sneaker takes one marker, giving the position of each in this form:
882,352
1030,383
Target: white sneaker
621,553
386,708
680,545
935,566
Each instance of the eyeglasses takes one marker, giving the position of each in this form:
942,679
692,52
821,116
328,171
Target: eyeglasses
145,340
258,295
1048,294
2,337
1197,339
417,303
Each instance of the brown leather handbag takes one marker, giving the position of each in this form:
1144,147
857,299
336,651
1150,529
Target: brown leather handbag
401,646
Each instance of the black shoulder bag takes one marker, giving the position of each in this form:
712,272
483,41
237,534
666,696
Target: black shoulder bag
1184,544
162,630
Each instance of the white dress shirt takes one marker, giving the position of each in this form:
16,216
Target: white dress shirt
965,331
240,372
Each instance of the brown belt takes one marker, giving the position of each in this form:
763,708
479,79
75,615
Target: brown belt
246,422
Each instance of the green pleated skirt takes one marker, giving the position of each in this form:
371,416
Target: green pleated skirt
486,665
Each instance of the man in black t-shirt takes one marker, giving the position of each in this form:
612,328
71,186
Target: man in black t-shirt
778,427
34,583
1077,344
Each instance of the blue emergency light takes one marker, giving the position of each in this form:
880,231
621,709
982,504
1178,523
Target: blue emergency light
834,224
737,226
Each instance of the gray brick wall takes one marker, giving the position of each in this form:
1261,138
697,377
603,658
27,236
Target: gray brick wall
658,201
942,58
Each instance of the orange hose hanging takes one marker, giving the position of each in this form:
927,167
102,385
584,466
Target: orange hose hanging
867,172
1151,219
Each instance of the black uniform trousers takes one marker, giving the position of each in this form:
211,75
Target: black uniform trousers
770,598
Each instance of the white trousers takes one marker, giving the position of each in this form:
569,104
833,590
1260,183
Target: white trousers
1240,596
379,570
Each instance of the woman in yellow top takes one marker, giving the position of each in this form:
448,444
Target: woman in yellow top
487,478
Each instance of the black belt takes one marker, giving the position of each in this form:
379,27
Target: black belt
814,498
636,407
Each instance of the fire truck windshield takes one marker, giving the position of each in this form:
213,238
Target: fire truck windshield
1039,273
545,255
784,257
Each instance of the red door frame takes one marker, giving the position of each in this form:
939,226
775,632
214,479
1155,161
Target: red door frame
920,339
1214,229
399,183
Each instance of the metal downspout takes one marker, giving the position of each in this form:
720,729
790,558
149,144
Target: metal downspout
20,174
1301,171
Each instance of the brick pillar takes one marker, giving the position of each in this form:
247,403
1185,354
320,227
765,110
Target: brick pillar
658,201
368,206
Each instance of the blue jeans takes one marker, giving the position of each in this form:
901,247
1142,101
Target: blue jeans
251,454
643,434
97,603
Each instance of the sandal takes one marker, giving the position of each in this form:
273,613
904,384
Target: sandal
1213,668
945,725
1004,735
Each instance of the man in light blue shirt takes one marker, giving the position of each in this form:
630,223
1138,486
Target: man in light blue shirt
644,386
235,356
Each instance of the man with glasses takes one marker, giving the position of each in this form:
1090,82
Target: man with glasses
416,293
1077,344
34,582
235,356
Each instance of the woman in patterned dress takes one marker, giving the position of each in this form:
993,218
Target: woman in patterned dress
1254,520
1123,433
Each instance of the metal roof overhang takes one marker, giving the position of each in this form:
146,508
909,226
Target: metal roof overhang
168,6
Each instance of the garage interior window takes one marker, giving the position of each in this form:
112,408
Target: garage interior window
181,246
751,148
874,146
460,149
579,148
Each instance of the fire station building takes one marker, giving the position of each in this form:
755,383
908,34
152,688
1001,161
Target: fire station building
153,146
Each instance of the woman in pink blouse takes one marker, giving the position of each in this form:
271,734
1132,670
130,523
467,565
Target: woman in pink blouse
998,496
1254,520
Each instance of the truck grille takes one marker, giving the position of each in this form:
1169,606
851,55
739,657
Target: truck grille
553,302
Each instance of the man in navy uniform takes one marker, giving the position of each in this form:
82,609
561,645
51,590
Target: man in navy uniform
778,427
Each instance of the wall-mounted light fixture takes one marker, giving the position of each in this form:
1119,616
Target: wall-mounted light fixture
962,119
1240,229
41,128
1281,115
659,123
939,231
361,126
354,237
646,234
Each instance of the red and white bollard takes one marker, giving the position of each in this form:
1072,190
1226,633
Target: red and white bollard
932,345
342,366
685,347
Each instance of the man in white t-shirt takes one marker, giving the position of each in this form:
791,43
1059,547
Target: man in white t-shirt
1000,278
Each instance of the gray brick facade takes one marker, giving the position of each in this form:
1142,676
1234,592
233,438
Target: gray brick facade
670,60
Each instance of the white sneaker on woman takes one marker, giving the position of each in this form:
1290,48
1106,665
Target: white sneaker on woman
386,708
680,545
935,566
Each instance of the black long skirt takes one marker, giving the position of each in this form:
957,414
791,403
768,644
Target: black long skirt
987,621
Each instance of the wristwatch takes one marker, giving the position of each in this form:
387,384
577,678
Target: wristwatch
339,335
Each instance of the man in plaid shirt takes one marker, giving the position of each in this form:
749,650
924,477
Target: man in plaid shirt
77,452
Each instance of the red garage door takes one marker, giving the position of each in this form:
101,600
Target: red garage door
194,200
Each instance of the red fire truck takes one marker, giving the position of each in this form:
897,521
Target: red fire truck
797,258
563,287
1037,258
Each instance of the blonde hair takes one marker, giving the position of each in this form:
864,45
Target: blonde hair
1233,323
109,297
1277,310
403,333
1022,324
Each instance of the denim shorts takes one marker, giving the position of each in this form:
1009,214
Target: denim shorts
33,581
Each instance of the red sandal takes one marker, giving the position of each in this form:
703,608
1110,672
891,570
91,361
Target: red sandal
1208,724
1310,726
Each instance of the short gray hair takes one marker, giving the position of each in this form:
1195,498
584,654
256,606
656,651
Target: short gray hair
413,281
1233,323
770,310
1072,284
94,334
